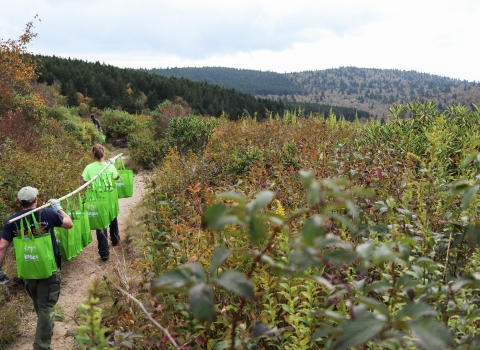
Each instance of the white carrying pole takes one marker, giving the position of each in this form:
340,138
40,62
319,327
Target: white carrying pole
110,161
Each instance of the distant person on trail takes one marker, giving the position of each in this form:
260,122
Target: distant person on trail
92,169
44,292
96,122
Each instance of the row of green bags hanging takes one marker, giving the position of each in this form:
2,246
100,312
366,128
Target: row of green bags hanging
101,203
72,241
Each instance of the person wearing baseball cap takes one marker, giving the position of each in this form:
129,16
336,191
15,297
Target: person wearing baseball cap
44,292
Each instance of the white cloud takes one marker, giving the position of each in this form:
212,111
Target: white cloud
437,37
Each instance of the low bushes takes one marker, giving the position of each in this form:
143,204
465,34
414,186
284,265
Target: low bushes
118,124
260,255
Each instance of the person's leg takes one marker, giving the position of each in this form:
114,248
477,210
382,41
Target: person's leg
102,238
48,291
31,286
114,234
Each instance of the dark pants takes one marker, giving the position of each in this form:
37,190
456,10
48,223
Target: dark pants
102,238
44,294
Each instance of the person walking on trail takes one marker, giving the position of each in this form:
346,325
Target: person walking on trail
96,122
92,169
44,292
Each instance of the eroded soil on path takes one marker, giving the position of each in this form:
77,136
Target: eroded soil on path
78,274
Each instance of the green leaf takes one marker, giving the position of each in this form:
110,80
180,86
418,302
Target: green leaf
414,310
306,178
313,193
222,345
262,330
236,282
324,282
365,250
312,229
382,228
431,335
384,254
233,196
213,216
196,269
467,160
378,286
201,302
465,281
403,280
219,256
339,257
344,220
358,332
473,235
469,196
257,229
171,281
325,329
262,200
375,305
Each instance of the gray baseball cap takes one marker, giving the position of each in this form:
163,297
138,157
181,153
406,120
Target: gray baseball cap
27,194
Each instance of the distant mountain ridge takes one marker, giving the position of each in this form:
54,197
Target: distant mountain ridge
368,89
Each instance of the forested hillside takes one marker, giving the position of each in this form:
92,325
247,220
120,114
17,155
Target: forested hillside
106,86
248,81
133,90
367,89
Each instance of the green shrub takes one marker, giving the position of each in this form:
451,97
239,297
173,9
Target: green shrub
145,149
190,133
84,131
164,113
242,159
118,124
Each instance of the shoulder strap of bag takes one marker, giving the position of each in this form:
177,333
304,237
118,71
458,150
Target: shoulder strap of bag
120,164
29,229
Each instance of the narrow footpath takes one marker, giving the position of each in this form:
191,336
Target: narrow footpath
78,274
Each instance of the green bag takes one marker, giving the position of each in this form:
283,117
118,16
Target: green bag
107,190
66,239
103,138
96,205
35,257
77,230
83,215
66,242
124,185
112,195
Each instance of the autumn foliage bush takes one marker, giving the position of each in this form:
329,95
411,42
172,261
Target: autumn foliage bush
42,146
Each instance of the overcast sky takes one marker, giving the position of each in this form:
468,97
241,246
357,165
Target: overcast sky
432,36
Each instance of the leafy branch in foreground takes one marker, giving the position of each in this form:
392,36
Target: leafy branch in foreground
379,293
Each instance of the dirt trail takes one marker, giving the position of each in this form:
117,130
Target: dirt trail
78,274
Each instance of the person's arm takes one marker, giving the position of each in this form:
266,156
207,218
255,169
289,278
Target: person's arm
3,249
67,220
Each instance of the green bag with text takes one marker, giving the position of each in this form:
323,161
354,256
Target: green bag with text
34,255
97,206
124,185
112,196
67,239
